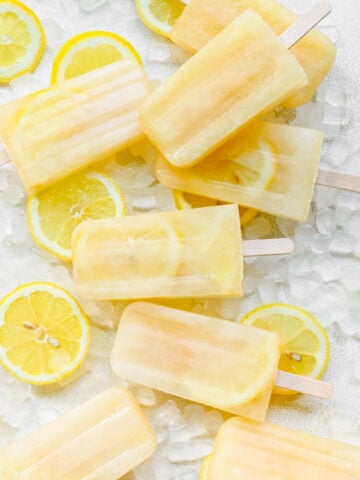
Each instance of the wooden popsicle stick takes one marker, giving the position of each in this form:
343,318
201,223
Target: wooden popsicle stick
305,23
271,246
4,157
310,386
344,181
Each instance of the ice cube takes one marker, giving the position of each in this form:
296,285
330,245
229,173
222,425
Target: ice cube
325,221
342,243
339,151
350,276
144,472
320,243
101,342
268,291
213,421
336,96
167,415
90,5
189,451
260,227
144,395
337,115
55,34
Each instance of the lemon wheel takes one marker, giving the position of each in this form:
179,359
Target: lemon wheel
306,344
160,15
204,468
22,40
88,51
44,334
54,213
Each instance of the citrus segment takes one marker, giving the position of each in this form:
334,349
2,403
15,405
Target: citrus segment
185,200
54,213
88,51
22,40
160,15
306,344
44,334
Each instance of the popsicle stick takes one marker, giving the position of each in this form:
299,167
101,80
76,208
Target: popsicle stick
344,181
271,246
300,384
305,23
4,158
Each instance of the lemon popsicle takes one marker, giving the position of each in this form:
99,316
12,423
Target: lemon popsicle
267,166
210,361
238,76
104,438
246,449
203,19
166,254
56,132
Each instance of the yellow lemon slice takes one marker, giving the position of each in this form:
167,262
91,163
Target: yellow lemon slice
255,168
88,51
306,344
54,213
204,468
44,334
184,200
160,15
22,40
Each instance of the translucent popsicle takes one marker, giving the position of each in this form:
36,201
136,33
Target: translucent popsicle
208,360
56,132
237,171
167,254
203,19
245,449
238,76
102,439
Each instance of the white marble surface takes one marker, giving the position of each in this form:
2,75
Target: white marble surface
323,275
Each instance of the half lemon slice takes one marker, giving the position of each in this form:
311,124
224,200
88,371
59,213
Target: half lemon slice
89,51
160,15
22,40
54,213
44,334
306,344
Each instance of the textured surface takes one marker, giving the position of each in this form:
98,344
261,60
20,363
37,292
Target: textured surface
323,275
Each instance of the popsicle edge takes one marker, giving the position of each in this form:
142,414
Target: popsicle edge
341,180
269,246
307,385
305,23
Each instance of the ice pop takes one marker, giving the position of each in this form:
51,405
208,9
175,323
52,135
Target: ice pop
246,449
56,132
238,76
189,253
104,439
211,361
236,172
203,19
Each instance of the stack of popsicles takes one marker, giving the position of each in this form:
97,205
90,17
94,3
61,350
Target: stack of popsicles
204,120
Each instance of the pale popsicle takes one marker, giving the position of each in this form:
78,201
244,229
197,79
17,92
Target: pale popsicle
56,132
207,360
238,76
102,439
203,19
167,254
246,449
233,173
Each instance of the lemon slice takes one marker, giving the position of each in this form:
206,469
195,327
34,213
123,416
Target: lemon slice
88,51
22,40
160,15
204,468
306,343
54,213
44,334
255,168
184,201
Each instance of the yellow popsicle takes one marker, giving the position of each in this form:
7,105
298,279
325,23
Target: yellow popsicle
203,19
232,172
189,253
238,76
102,439
203,359
56,132
245,449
